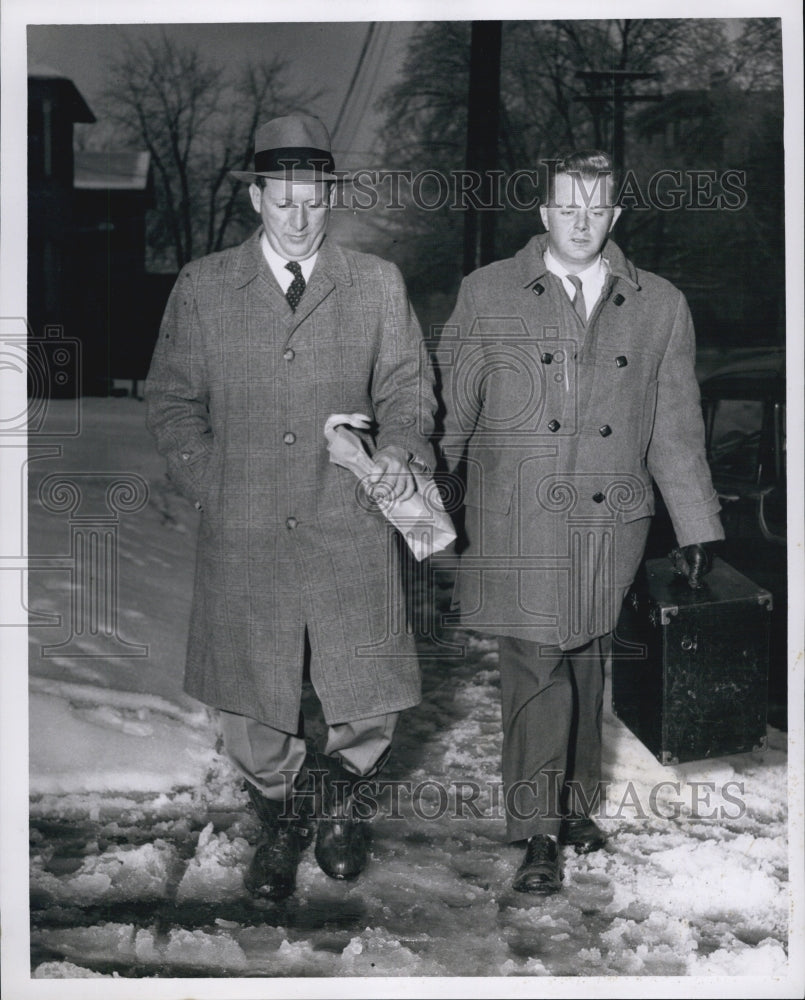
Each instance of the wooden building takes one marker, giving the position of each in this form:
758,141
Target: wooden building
87,287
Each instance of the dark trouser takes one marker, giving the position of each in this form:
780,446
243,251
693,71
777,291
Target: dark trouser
552,702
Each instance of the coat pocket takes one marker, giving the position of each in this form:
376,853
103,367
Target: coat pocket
488,526
492,497
187,468
644,508
630,545
649,413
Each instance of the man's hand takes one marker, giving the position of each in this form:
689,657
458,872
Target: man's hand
692,561
394,479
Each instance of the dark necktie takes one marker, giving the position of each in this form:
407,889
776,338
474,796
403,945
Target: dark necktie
578,298
297,286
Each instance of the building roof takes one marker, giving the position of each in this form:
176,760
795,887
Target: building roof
46,76
127,170
42,72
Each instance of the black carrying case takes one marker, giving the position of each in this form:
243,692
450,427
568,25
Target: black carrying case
690,667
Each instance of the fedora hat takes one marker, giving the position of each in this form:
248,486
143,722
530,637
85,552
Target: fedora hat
294,147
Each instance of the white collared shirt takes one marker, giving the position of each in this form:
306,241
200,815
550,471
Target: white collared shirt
277,264
592,279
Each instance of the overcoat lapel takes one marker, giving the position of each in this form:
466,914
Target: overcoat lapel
319,287
251,268
331,268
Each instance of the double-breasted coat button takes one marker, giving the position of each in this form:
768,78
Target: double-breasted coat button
605,431
538,289
291,523
621,361
546,358
599,497
289,437
619,299
289,355
554,426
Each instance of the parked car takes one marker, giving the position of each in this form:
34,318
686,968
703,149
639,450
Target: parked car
743,403
744,412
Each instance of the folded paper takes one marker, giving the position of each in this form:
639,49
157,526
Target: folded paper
421,520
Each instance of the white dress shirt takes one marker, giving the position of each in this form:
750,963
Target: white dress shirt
277,264
592,279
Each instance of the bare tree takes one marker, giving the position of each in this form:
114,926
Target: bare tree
198,122
545,108
721,84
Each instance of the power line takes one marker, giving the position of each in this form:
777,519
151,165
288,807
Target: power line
369,33
372,63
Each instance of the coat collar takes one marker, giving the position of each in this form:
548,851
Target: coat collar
250,262
332,267
532,263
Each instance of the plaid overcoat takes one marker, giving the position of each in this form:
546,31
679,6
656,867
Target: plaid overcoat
289,551
562,429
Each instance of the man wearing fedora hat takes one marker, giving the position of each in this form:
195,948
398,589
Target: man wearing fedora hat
297,575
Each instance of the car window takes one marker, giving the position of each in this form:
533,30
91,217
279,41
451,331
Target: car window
735,438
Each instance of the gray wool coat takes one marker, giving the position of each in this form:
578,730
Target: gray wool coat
562,430
237,396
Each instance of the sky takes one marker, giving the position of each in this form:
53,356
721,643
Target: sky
320,56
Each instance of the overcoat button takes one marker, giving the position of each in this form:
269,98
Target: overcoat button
546,358
559,357
605,431
621,361
289,437
599,497
185,456
291,523
619,299
538,289
289,354
554,426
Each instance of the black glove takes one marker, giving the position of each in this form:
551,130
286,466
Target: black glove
692,561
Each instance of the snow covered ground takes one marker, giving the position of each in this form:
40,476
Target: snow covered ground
139,833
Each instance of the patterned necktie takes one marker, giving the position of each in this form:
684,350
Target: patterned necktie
578,298
297,286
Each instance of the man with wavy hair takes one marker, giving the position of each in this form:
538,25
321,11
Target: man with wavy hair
571,386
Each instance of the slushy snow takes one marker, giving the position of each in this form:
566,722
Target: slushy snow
140,833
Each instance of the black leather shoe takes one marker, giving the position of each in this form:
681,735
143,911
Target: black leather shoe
284,835
342,847
540,871
583,833
272,872
342,839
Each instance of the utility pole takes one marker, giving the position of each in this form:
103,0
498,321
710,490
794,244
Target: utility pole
483,120
613,91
